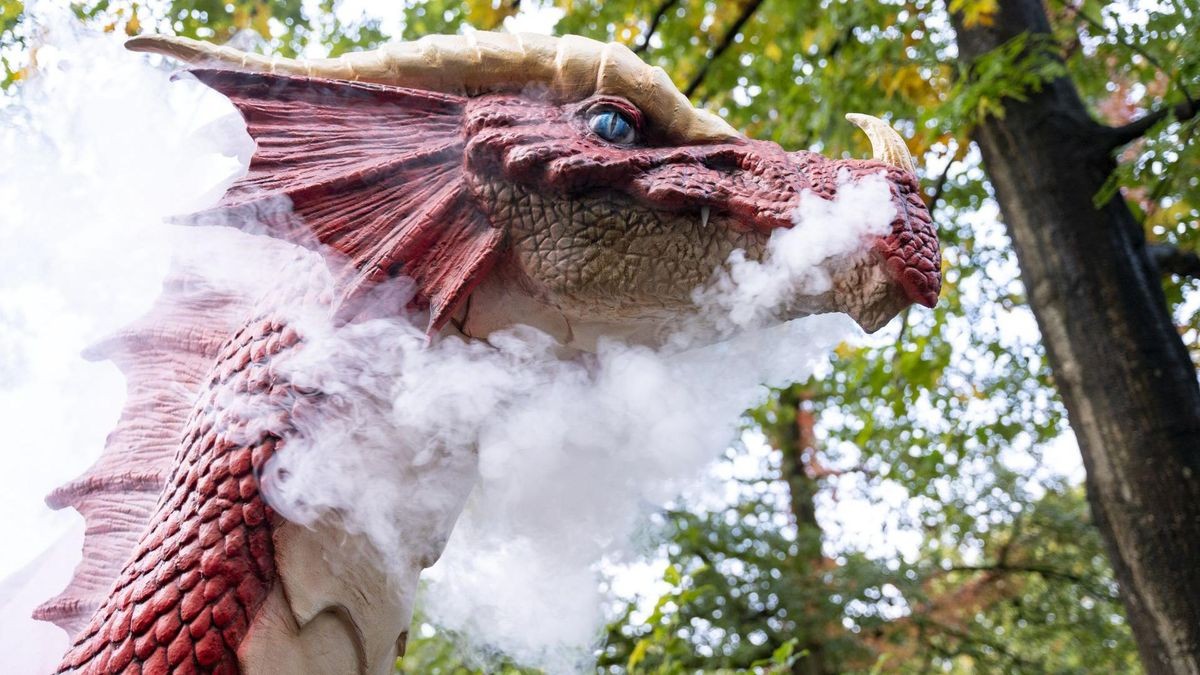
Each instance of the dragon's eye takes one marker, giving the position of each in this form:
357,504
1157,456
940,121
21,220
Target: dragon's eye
613,126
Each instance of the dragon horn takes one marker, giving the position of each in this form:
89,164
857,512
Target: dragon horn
569,68
886,144
200,53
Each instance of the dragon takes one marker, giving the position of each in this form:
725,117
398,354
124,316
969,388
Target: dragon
513,179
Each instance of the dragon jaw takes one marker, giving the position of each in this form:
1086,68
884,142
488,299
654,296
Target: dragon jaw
614,241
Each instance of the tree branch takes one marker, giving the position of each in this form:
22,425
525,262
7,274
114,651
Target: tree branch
1190,107
1173,260
726,42
1029,569
1182,112
1044,572
968,638
1141,51
661,12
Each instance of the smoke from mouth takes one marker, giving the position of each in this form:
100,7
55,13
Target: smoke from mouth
553,463
566,456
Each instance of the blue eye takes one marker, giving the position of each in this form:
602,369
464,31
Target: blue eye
612,126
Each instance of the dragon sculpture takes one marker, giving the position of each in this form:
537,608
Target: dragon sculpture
515,179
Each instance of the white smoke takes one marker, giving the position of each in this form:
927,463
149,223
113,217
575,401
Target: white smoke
749,294
569,472
571,454
96,149
564,457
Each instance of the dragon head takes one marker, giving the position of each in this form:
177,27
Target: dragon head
559,182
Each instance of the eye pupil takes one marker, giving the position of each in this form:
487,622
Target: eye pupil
612,126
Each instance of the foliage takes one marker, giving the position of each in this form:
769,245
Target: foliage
12,39
1143,60
945,420
1018,68
1040,600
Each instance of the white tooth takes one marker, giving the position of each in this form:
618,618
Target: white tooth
703,216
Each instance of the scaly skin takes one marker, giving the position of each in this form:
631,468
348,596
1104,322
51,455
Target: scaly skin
584,217
205,564
512,196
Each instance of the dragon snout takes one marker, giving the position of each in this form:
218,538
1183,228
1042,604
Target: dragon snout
893,268
910,253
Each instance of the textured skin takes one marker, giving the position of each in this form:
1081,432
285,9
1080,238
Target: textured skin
599,254
602,255
389,182
202,569
533,155
178,339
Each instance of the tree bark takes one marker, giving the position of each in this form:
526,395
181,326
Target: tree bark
1128,384
796,443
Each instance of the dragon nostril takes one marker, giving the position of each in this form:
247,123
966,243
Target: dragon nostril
724,161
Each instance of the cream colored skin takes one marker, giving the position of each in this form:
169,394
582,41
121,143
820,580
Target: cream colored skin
334,610
337,606
329,612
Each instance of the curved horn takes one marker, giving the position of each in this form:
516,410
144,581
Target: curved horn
569,68
195,51
886,144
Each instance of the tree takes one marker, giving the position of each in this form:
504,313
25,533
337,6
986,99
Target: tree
947,419
1126,378
1019,64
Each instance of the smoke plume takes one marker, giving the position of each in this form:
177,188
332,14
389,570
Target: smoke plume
532,467
567,456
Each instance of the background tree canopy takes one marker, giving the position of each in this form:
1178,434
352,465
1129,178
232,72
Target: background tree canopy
948,419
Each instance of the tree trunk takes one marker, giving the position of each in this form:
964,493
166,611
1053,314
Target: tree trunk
796,443
1129,386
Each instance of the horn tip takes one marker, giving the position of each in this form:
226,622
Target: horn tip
860,120
141,43
886,145
158,44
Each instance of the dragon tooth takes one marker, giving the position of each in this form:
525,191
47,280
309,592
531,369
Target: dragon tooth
703,216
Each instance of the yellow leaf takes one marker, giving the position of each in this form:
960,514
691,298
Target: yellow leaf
489,14
913,83
11,9
262,19
638,654
1169,217
808,39
917,146
976,12
133,26
241,17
